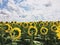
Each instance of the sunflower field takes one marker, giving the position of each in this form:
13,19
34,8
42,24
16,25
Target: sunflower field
30,33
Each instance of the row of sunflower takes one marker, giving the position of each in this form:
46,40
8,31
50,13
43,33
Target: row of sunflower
30,33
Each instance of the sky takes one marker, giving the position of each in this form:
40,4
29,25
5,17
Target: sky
29,10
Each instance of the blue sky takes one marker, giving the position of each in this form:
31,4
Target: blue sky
3,4
18,1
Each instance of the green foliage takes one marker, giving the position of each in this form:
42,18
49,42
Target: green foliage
50,38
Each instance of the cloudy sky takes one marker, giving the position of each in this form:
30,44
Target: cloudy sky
29,10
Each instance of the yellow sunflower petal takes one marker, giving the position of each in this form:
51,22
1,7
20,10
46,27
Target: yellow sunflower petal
58,35
58,29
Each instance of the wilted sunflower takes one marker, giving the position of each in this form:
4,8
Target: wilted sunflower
43,30
15,33
53,28
32,30
7,27
25,25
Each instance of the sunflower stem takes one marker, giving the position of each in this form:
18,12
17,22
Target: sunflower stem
32,38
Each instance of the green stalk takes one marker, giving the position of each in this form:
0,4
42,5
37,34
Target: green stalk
32,38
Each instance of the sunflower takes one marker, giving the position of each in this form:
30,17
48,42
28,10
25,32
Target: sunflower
58,29
13,22
59,22
15,33
32,24
1,22
46,23
32,30
20,23
51,23
5,22
58,35
25,25
43,30
7,27
58,32
53,28
56,23
41,23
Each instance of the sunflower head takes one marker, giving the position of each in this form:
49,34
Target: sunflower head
6,22
53,28
39,21
51,23
32,24
13,22
32,30
15,33
56,23
25,25
46,23
1,22
41,24
20,23
43,30
7,27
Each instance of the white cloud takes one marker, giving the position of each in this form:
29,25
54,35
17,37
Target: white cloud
0,1
38,10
